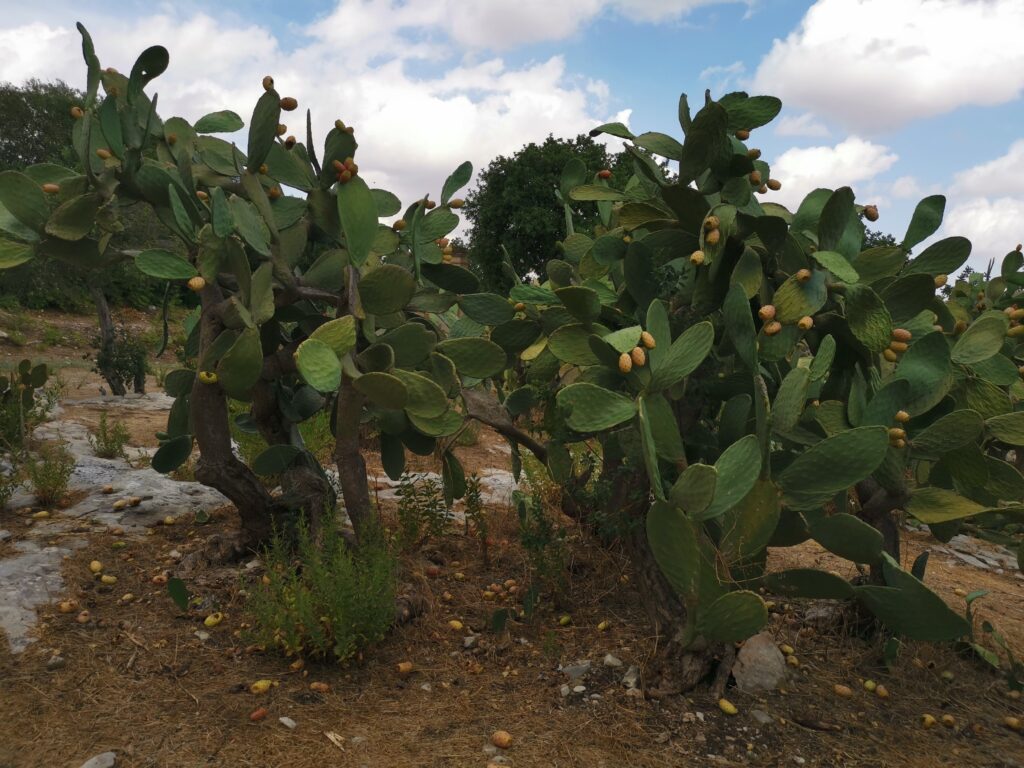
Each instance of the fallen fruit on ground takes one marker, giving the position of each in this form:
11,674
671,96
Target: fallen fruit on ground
727,707
260,686
318,687
501,739
258,714
213,619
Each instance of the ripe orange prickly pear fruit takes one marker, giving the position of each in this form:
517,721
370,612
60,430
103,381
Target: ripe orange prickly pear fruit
774,185
889,355
288,103
456,202
51,189
711,222
647,340
898,346
712,237
897,433
399,225
196,283
941,280
763,189
338,166
902,334
625,363
871,212
604,173
753,154
103,154
755,177
202,195
638,356
767,312
697,258
345,176
902,417
274,193
770,329
805,323
77,113
803,275
742,134
268,83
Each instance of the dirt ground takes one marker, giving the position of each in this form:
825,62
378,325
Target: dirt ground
138,681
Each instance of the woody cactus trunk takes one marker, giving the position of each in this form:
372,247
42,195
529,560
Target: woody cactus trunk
751,378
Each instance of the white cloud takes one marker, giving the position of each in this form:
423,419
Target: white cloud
802,170
878,64
800,125
904,187
1002,176
722,76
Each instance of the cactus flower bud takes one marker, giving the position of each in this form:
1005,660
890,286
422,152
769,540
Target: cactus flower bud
399,225
871,212
77,112
456,202
647,340
51,189
711,222
196,283
754,154
803,275
771,328
767,312
889,355
638,356
941,280
902,334
103,154
774,185
282,129
805,323
604,173
712,237
289,104
742,134
625,363
697,258
902,417
268,83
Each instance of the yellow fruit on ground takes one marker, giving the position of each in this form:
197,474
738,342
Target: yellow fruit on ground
870,686
948,720
697,258
120,504
927,721
881,692
842,690
213,619
319,687
805,323
106,578
67,606
787,650
1013,723
258,714
501,739
159,579
455,624
42,514
647,340
565,620
83,617
260,686
727,707
792,661
95,566
404,667
625,363
770,329
638,356
196,283
603,626
168,520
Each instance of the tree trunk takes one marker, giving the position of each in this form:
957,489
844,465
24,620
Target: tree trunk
108,343
880,508
348,456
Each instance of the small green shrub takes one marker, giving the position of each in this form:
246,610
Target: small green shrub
422,512
9,481
476,514
110,439
26,395
544,543
125,359
323,599
49,473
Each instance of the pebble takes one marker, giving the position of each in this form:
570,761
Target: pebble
55,663
612,661
426,687
798,760
104,760
761,716
577,671
469,641
202,635
357,740
565,690
579,689
287,722
632,677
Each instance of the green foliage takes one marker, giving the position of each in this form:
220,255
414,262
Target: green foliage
37,123
24,402
48,472
125,359
324,600
544,544
476,515
110,439
422,512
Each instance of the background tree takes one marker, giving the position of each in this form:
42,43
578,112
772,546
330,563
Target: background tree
513,205
878,239
36,123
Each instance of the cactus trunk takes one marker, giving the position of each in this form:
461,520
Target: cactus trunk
108,340
349,459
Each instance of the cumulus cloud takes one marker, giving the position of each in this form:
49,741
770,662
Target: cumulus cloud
722,76
874,65
800,125
802,170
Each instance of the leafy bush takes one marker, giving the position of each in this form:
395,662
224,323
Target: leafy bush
125,360
322,599
49,472
476,514
421,511
110,439
24,402
544,543
9,481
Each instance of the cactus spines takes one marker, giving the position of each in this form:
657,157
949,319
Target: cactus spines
638,356
289,104
767,312
902,417
268,83
755,178
399,225
901,334
207,377
51,188
77,112
771,328
941,280
712,237
711,222
103,154
604,173
196,283
871,212
805,323
697,258
456,203
647,340
889,355
742,134
754,154
774,185
625,363
803,275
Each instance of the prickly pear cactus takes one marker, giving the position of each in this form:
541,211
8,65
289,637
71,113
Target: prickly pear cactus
768,379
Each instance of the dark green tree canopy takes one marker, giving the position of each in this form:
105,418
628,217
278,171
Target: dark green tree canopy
513,204
35,123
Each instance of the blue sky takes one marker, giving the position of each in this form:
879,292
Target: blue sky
897,98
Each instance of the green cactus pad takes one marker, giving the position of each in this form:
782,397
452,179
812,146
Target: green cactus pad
738,469
591,408
694,489
673,541
1009,428
382,389
943,257
164,265
487,308
476,357
425,398
733,617
929,370
833,465
650,451
748,527
847,536
810,583
357,212
411,342
179,382
938,505
947,433
240,367
447,423
392,456
686,353
837,264
24,199
172,454
12,254
983,339
794,299
250,225
275,459
823,357
453,278
73,219
339,334
386,289
907,607
665,429
879,262
583,303
571,344
868,318
790,400
224,121
739,323
318,365
515,335
887,401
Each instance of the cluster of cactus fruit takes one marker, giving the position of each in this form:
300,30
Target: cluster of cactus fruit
789,386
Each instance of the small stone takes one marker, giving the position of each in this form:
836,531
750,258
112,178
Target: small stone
55,663
469,641
565,690
287,722
662,737
104,760
612,661
762,717
760,665
426,687
579,689
634,693
798,760
632,677
202,635
357,740
577,671
4,536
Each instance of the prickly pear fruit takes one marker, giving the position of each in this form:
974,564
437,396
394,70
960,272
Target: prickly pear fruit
902,334
103,154
77,113
456,202
927,721
282,129
771,328
196,283
697,258
51,189
889,355
898,346
871,212
767,312
288,103
290,142
803,275
647,340
902,417
625,363
755,177
941,280
712,237
604,173
638,356
805,323
727,707
774,185
711,222
519,307
208,377
742,134
268,83
399,225
202,195
753,154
